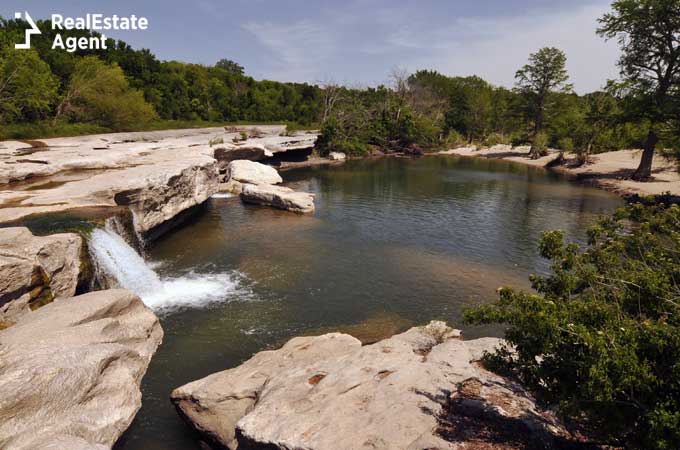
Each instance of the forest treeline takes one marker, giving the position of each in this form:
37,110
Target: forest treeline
47,92
121,88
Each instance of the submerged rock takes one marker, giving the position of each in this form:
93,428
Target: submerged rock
278,197
71,372
34,270
418,390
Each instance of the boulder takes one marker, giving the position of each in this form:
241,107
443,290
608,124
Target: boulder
34,270
279,197
71,372
165,195
337,156
251,172
422,389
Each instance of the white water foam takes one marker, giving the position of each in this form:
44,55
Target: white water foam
122,263
223,195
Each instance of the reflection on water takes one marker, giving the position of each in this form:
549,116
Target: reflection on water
393,243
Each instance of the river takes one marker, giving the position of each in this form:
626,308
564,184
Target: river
394,242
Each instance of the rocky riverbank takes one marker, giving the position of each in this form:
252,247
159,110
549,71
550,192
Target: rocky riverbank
610,171
156,175
71,364
422,389
71,371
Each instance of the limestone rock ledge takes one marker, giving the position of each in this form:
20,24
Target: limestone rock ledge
70,371
422,389
279,197
34,270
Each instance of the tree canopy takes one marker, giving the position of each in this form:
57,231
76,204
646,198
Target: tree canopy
648,32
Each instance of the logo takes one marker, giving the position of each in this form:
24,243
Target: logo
33,30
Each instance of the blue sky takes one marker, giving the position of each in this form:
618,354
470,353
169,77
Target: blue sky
359,42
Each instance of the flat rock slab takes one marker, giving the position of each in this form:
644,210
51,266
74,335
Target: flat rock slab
156,174
279,197
331,393
70,372
36,269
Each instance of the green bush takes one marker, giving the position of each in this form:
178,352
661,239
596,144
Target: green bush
600,338
453,139
566,145
352,147
539,146
496,139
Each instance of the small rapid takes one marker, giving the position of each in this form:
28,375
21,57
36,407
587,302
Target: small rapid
119,264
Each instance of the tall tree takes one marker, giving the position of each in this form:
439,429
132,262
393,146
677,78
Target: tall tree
230,66
648,32
545,74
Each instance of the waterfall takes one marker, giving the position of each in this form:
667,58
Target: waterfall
119,265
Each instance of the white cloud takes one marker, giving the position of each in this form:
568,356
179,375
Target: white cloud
296,48
362,41
500,46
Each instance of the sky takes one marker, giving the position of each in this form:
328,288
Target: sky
360,42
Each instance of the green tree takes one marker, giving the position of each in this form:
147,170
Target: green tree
28,88
545,74
601,113
230,66
600,338
647,31
99,93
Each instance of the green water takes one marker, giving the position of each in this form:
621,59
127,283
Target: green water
393,243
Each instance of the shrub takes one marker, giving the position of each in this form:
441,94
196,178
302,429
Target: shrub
351,147
216,140
600,338
539,146
453,139
99,93
566,144
496,139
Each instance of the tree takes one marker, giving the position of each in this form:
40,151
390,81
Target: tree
545,74
28,88
648,32
601,337
230,66
601,113
332,93
99,93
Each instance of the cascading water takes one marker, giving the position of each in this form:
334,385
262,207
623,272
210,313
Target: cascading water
120,263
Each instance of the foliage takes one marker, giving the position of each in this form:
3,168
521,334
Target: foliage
601,335
544,75
27,87
647,31
100,93
230,66
539,146
566,144
215,140
176,91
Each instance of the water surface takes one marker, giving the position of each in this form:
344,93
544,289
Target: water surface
393,243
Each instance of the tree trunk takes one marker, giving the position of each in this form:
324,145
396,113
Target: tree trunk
644,170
